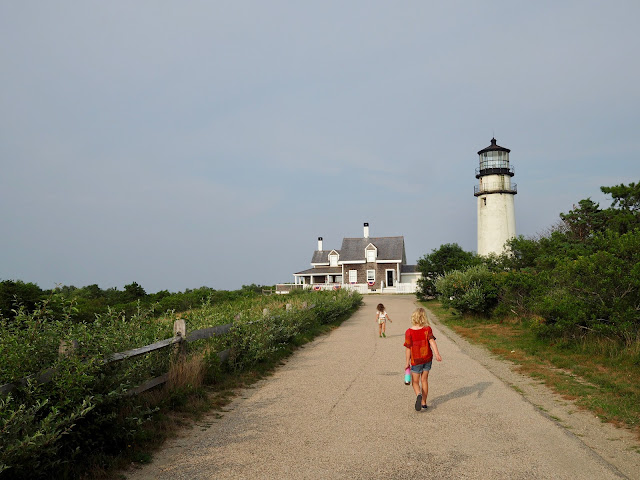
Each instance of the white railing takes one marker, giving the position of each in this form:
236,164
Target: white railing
406,287
324,286
362,288
287,287
357,287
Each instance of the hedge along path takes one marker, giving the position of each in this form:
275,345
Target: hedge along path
179,339
339,408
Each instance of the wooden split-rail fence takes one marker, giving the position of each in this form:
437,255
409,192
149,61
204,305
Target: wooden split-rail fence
180,338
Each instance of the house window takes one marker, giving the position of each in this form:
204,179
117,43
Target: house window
333,260
371,255
353,276
371,276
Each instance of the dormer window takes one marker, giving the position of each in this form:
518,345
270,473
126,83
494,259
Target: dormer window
371,253
333,258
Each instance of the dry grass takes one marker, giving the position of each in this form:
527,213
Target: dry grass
188,373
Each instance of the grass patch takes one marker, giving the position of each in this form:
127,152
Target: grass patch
599,374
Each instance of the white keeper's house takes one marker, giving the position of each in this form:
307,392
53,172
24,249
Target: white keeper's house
366,264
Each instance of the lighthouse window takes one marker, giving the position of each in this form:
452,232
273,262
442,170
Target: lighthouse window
484,201
494,160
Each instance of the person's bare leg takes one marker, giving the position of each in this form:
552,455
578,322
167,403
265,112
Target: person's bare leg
415,382
425,386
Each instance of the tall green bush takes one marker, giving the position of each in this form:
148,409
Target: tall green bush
47,428
440,261
596,293
474,290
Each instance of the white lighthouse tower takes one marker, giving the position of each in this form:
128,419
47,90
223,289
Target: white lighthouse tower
495,192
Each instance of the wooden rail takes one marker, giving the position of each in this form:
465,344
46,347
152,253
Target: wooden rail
179,336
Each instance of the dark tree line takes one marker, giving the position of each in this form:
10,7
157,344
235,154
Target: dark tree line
92,300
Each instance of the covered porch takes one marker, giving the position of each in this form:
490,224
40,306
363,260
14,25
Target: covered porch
319,276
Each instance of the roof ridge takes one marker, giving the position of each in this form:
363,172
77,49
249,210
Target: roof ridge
368,238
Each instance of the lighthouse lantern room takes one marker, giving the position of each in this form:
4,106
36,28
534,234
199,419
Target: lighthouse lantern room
495,193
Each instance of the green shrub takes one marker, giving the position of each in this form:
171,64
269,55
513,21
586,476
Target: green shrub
255,337
447,258
596,293
519,291
474,290
52,429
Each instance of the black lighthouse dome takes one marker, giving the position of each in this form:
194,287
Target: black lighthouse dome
494,147
494,160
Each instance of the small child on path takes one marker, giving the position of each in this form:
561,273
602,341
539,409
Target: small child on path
381,318
421,348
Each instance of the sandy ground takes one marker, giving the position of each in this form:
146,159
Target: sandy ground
339,409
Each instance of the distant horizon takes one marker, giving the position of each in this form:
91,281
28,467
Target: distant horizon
120,287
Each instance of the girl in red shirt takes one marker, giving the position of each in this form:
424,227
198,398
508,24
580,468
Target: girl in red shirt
421,348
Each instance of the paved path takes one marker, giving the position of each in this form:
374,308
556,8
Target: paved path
338,409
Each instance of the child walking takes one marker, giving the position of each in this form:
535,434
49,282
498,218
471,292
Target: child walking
421,348
381,318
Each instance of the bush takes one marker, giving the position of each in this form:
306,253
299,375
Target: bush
447,258
596,293
52,429
474,290
255,337
519,291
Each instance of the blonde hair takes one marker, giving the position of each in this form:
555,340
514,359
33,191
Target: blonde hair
419,318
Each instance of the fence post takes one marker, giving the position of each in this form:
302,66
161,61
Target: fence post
66,349
180,330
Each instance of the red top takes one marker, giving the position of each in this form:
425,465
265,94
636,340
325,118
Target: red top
418,342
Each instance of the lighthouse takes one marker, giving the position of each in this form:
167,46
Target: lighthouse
495,193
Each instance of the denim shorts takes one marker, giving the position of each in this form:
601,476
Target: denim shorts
422,367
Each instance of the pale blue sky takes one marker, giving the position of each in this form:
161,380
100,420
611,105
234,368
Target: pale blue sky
182,144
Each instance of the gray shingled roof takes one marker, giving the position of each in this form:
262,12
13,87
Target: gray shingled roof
389,248
409,269
322,256
321,271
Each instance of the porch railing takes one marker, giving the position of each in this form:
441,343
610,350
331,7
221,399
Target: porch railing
406,287
363,288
